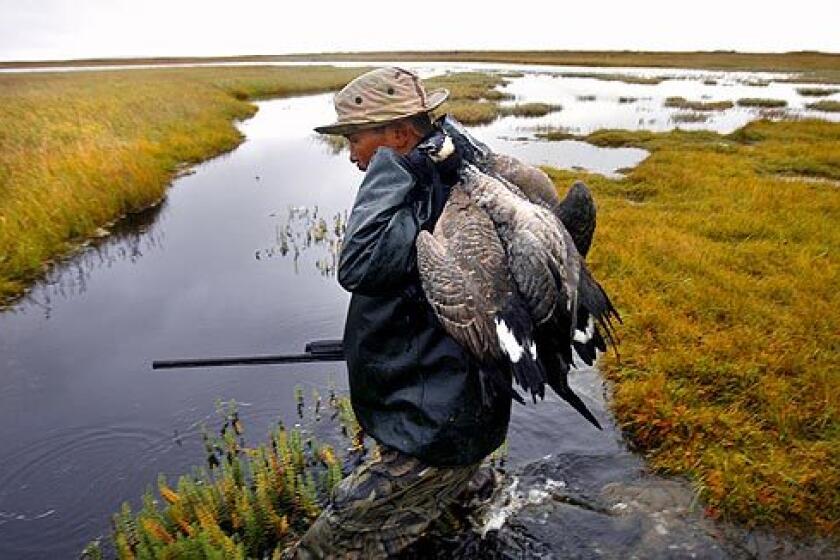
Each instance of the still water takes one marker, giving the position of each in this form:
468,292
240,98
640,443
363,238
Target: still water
223,267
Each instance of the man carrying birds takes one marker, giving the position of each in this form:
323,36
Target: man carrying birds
414,389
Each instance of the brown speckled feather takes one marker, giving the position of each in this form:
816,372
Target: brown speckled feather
464,272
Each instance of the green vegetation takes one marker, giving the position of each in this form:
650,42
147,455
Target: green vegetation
827,105
251,503
694,117
529,109
473,86
625,78
683,103
803,61
474,98
79,150
761,102
724,261
816,92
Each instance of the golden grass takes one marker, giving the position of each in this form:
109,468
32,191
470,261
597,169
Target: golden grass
529,109
470,85
761,102
691,117
812,61
473,96
827,105
683,103
625,78
728,277
816,92
78,150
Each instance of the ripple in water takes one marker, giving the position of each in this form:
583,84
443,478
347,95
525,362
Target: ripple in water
114,461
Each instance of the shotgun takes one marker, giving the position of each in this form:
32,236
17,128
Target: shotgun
315,351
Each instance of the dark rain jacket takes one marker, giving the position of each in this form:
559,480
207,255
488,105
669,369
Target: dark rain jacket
411,385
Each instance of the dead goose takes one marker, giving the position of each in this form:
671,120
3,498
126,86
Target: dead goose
492,253
465,277
576,210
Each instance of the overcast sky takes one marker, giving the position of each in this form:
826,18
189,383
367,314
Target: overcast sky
61,29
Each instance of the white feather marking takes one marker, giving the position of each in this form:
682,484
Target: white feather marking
585,336
533,350
445,150
508,342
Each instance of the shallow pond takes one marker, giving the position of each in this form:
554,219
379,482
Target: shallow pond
227,265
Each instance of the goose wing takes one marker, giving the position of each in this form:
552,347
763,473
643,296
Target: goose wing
576,210
465,276
462,267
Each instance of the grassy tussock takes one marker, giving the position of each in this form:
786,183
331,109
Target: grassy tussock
816,92
827,105
78,150
529,109
727,277
683,103
624,78
694,117
471,112
473,86
473,97
761,102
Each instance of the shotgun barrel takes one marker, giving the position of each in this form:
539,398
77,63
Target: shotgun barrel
316,351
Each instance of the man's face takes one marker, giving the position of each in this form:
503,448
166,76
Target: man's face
363,145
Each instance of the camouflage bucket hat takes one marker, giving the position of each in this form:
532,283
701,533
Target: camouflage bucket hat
381,96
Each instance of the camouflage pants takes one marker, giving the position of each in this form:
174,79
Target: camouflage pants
382,507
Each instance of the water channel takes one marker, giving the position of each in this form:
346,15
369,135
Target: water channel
86,424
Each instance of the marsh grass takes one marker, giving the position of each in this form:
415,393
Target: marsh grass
691,117
473,86
816,92
624,78
683,103
78,150
816,66
473,97
761,102
727,278
827,105
529,109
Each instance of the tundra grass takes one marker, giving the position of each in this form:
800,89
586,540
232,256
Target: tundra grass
78,150
473,96
724,261
827,105
683,103
625,78
817,64
529,109
761,102
816,92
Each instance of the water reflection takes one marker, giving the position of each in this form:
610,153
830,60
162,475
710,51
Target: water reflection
129,239
304,229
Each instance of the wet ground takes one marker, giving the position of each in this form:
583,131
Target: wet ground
238,260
